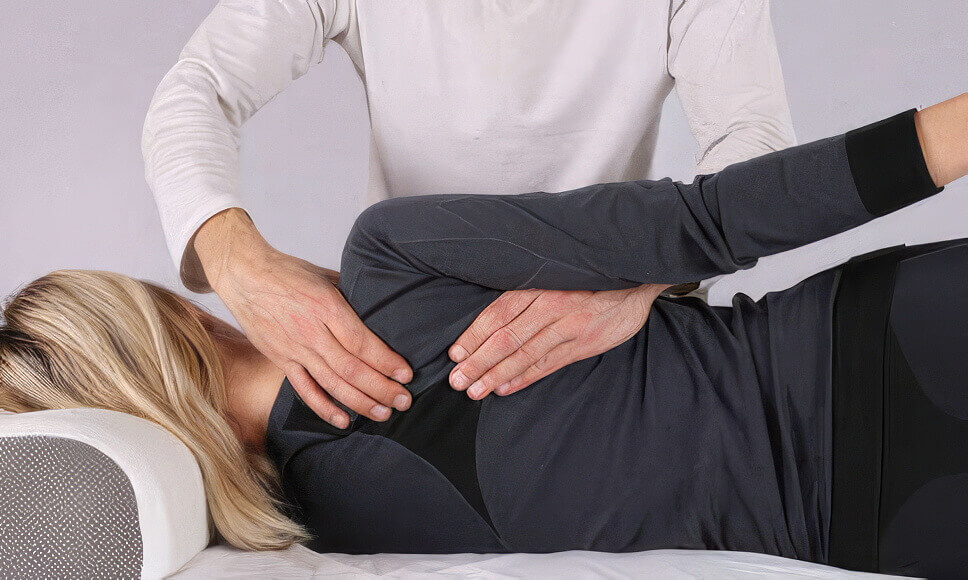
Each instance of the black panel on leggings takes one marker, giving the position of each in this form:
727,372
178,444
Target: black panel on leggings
900,473
924,462
887,164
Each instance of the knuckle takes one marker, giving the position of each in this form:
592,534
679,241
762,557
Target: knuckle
506,306
554,335
593,335
346,394
291,368
476,334
543,364
519,385
383,391
529,351
318,304
546,299
470,370
494,379
355,339
486,323
350,371
387,398
507,339
318,342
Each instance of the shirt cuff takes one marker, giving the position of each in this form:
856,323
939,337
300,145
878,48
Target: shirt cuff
887,164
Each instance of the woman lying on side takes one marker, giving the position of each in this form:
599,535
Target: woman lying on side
826,422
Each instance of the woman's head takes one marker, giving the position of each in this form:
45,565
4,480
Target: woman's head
78,338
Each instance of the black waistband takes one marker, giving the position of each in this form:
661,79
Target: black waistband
861,314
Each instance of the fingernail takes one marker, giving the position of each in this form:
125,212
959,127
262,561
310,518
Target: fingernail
341,421
401,376
476,390
458,353
458,381
401,402
503,389
380,412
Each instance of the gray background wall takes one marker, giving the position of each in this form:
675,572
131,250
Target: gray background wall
76,79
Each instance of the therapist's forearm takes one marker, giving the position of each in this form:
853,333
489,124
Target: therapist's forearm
943,134
243,54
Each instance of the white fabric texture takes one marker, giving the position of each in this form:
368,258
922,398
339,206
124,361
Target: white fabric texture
299,562
167,483
478,96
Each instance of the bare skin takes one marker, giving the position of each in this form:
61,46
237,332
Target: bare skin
526,335
252,381
943,134
298,321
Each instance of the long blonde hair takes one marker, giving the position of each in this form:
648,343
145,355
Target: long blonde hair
78,338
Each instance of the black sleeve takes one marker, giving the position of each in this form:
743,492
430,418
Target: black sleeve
618,235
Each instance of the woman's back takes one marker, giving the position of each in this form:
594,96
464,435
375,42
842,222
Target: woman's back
704,430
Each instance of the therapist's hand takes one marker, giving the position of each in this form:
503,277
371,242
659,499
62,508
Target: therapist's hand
292,312
525,335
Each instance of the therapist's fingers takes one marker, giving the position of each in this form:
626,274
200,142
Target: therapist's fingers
574,325
542,351
316,398
361,343
291,311
547,307
504,342
357,385
338,388
498,313
558,358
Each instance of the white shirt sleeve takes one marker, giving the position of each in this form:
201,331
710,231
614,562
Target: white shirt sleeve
723,57
243,54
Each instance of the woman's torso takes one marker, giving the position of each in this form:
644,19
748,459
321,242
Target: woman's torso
709,429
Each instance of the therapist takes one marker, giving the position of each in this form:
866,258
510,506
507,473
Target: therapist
470,96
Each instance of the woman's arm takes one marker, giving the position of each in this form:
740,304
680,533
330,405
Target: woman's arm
620,235
943,135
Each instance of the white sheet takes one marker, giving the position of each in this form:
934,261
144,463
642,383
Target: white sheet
299,562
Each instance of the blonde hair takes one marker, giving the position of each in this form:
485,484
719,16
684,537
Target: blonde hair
78,338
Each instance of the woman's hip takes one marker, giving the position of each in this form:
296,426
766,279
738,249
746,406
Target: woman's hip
900,412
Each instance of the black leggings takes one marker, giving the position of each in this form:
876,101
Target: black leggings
900,465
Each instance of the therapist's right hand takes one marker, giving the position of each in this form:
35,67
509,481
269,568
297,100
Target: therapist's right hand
293,313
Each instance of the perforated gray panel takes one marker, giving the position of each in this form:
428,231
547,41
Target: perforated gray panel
66,511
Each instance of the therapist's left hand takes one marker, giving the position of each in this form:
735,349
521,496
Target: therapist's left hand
525,335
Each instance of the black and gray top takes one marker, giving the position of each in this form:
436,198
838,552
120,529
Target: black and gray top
709,429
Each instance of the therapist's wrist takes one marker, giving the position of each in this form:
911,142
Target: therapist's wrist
228,242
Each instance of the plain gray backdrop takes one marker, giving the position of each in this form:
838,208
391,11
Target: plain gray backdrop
76,79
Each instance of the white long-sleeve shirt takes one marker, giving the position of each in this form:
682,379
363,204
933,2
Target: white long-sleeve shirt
470,96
